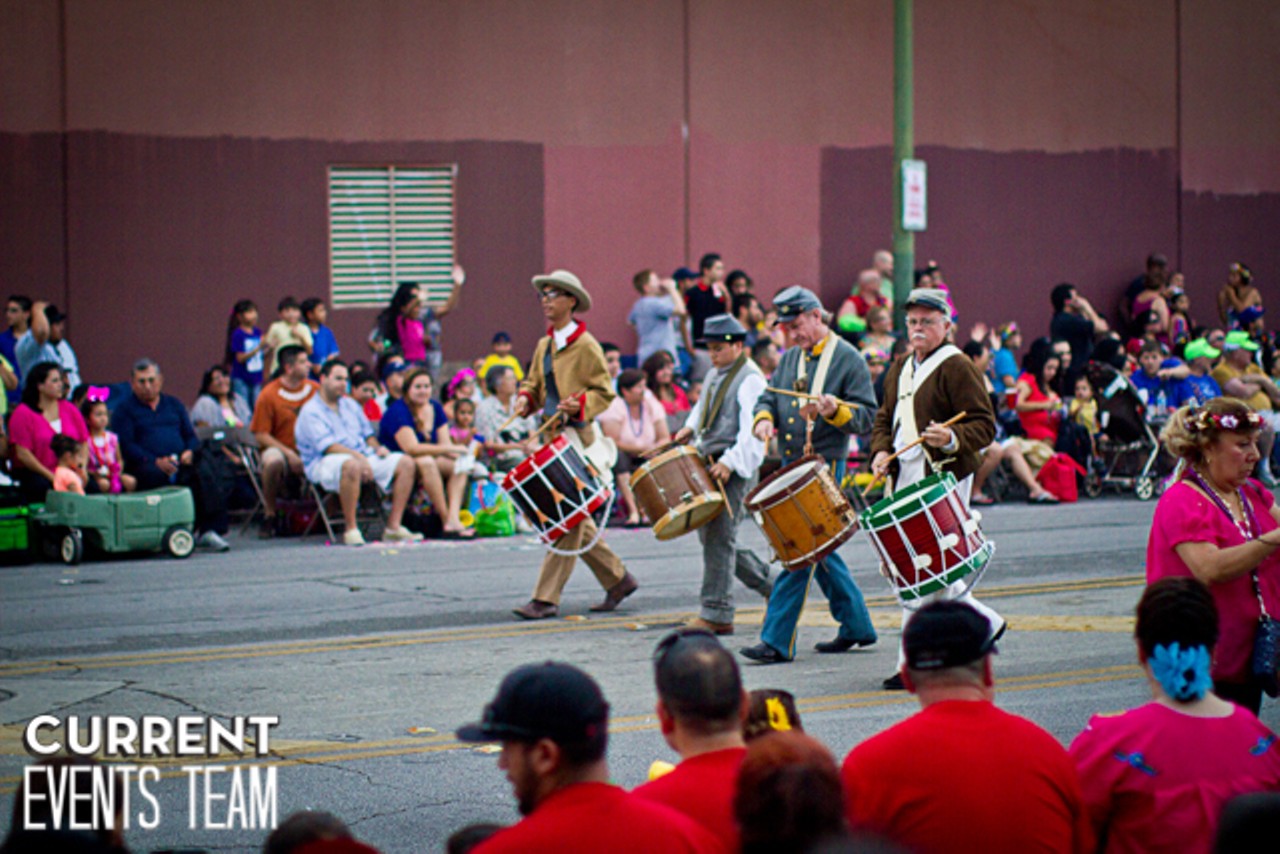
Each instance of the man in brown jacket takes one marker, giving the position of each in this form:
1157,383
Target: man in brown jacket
930,384
568,376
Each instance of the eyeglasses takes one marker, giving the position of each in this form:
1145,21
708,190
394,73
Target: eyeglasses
922,322
550,295
674,637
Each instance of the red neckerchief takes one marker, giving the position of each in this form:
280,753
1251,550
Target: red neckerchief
573,336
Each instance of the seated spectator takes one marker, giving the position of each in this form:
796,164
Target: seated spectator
159,446
879,334
392,368
660,371
1143,788
43,342
105,465
1083,409
1200,356
1151,300
748,312
1180,322
507,448
273,424
738,283
935,794
364,390
636,423
553,723
324,345
1241,378
655,314
1064,380
852,318
417,427
37,419
1004,362
770,710
500,356
340,454
1237,295
612,361
701,706
788,796
1161,382
461,387
17,322
217,405
765,354
877,365
288,331
71,462
462,426
1039,413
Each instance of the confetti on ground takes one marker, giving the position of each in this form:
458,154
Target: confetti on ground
489,748
636,627
421,730
577,618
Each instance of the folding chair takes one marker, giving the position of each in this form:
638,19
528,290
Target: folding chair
241,442
369,507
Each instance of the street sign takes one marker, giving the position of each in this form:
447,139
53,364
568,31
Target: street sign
914,206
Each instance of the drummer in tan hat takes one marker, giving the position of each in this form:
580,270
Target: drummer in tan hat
568,376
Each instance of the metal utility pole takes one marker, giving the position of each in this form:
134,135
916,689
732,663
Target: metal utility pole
904,242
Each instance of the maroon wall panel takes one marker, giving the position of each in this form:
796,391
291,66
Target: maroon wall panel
31,235
1218,230
167,234
1007,227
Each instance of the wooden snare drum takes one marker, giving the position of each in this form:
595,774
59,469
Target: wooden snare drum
675,491
802,512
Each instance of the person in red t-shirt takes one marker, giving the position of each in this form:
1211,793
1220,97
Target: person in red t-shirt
701,709
962,775
553,723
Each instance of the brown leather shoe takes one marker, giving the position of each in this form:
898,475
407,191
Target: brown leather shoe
614,595
714,628
535,609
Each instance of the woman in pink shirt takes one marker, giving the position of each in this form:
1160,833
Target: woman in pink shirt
41,415
1218,525
1156,778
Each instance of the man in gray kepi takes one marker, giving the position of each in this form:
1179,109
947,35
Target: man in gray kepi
820,363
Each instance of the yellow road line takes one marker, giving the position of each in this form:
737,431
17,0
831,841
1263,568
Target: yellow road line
310,753
439,636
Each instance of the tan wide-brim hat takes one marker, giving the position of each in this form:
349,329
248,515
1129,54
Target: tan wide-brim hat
567,282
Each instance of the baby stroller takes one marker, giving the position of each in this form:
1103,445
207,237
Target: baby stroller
1128,449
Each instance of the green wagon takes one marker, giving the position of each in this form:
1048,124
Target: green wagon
156,520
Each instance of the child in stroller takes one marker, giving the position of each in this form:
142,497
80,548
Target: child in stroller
1127,445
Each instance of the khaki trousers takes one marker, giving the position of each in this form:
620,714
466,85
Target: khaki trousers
556,569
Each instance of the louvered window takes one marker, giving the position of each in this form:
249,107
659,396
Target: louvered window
390,224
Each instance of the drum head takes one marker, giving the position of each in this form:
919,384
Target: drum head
689,516
907,501
782,482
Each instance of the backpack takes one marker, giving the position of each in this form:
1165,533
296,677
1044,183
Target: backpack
1058,476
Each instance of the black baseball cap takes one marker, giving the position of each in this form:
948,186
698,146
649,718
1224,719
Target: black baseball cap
549,700
501,338
684,273
946,634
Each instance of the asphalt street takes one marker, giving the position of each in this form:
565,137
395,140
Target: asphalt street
372,657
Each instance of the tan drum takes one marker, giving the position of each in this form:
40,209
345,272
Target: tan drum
802,512
675,491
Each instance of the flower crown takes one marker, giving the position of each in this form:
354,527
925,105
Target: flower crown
1201,419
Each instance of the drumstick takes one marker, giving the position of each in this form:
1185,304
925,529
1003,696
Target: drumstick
875,480
558,418
506,424
806,396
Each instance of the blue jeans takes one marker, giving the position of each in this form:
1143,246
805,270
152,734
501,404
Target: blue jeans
843,597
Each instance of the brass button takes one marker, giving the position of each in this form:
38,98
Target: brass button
791,421
787,437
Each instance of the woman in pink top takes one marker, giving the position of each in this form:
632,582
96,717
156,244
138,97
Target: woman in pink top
636,422
1157,777
41,415
1219,526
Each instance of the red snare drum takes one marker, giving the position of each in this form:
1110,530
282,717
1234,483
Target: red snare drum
926,538
555,489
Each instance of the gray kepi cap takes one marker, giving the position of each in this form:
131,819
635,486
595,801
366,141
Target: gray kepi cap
933,298
723,327
795,301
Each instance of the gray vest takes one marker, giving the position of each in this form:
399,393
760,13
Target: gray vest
722,433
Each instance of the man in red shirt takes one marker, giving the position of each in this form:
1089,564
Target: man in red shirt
553,723
701,708
963,775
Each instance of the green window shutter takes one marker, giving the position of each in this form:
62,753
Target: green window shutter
390,224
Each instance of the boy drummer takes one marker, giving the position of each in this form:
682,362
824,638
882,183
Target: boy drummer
720,426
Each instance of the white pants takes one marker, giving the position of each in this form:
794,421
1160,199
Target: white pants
955,590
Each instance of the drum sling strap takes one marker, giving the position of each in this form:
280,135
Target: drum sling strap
709,413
